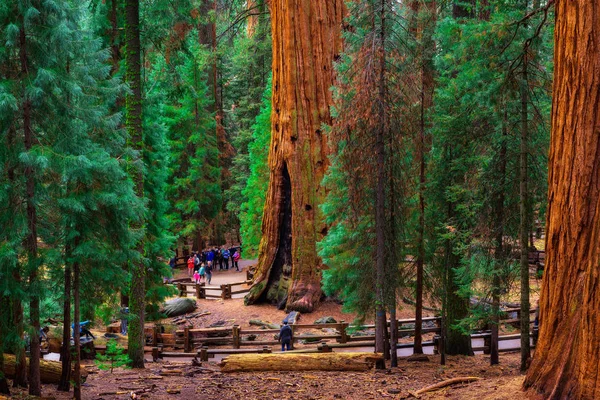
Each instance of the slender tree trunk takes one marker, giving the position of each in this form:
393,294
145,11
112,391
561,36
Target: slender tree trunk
136,339
76,333
21,364
4,321
115,51
65,351
35,388
456,307
499,251
524,220
306,39
425,28
16,303
380,223
567,357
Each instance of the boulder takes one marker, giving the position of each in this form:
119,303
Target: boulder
178,306
326,320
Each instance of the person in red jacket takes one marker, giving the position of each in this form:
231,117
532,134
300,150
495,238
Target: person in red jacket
190,264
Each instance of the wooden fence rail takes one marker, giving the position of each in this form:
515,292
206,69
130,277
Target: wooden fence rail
199,290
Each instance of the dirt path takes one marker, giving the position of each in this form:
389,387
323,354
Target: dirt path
500,382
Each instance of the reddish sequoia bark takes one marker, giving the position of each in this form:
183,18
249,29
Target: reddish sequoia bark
567,357
306,39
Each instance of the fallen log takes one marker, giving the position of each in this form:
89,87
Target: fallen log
300,362
448,382
258,322
50,371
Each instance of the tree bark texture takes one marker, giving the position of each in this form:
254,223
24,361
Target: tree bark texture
567,358
136,339
306,40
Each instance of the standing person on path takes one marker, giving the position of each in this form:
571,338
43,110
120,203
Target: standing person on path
236,258
285,336
208,269
210,257
219,258
202,272
226,255
190,265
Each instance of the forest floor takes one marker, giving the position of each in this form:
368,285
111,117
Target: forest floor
498,382
501,382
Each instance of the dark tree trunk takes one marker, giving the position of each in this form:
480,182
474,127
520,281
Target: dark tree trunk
456,307
306,38
35,388
380,220
567,357
21,364
76,333
4,320
115,50
463,9
524,220
65,351
134,128
498,228
424,33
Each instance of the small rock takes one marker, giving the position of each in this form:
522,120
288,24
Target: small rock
394,391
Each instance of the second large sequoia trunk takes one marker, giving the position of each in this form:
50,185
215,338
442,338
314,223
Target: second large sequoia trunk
306,40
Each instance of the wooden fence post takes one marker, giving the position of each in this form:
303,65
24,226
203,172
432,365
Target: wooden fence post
229,290
186,340
204,353
223,291
236,336
343,333
155,354
154,336
293,337
324,348
182,290
487,344
198,291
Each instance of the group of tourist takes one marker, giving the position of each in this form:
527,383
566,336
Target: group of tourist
202,264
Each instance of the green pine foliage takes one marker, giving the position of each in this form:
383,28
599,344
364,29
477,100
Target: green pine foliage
114,357
475,129
255,191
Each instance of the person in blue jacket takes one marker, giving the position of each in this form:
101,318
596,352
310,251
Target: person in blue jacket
285,336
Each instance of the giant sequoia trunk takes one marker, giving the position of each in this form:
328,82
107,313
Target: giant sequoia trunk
306,39
567,358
